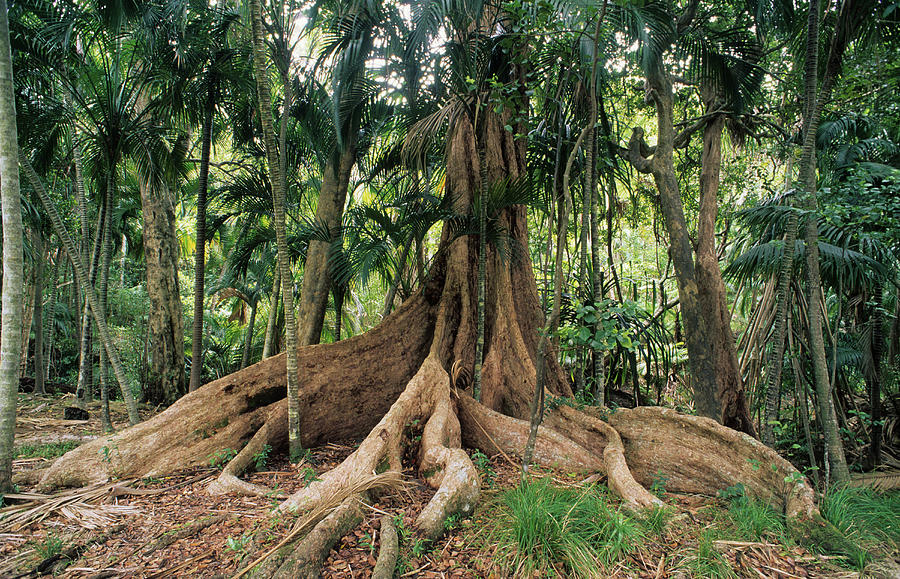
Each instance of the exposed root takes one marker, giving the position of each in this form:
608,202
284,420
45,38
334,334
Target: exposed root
699,455
304,559
273,433
447,467
389,550
494,432
585,427
441,461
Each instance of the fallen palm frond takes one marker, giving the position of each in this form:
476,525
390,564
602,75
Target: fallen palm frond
89,507
877,481
387,481
84,506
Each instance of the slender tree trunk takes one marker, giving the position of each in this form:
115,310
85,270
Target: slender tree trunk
81,277
13,257
339,293
392,290
279,195
248,339
50,327
30,285
103,291
876,345
827,414
84,391
200,252
39,362
271,323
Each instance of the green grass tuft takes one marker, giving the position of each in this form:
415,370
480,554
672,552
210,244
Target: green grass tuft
49,450
867,518
564,532
706,561
754,520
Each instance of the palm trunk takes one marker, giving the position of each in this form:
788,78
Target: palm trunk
874,376
13,257
51,311
269,344
279,195
38,321
827,414
82,280
29,316
84,390
103,295
339,294
200,252
248,339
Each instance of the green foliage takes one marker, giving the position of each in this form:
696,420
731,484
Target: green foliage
220,458
543,528
658,486
865,517
50,546
48,450
706,561
483,464
656,520
238,546
261,458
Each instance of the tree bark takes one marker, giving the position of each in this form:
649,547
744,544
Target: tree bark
329,212
279,195
85,389
248,339
712,297
271,339
200,251
38,323
103,291
13,257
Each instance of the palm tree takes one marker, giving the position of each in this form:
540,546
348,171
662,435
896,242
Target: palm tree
279,193
13,257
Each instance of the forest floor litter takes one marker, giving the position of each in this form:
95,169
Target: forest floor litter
171,527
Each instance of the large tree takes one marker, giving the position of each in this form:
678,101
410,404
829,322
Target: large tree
388,382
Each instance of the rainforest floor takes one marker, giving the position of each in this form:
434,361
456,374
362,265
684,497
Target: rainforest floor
179,530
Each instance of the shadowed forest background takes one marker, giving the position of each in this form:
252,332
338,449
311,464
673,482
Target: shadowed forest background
414,249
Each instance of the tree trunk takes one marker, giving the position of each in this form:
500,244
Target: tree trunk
316,277
200,251
84,391
248,339
279,194
827,414
271,340
13,257
712,297
876,346
103,291
165,316
697,327
51,310
39,362
28,306
339,293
